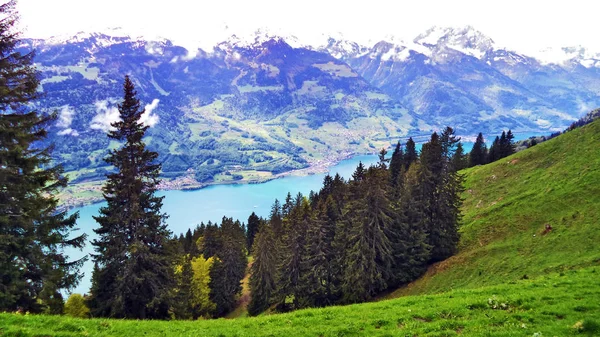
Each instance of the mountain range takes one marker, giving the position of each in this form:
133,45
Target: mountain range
268,104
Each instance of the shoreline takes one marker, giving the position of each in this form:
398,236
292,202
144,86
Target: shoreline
315,167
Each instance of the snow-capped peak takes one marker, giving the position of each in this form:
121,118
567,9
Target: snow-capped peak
103,38
464,39
257,38
341,48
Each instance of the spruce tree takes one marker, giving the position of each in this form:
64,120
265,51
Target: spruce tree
411,155
396,164
252,228
134,267
33,231
459,159
263,271
495,151
370,217
478,155
229,267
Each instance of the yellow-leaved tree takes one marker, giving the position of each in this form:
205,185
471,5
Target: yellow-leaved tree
200,290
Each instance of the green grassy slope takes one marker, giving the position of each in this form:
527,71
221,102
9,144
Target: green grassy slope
554,305
507,205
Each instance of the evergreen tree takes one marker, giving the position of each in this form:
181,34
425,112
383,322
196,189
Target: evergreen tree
478,155
396,164
229,267
369,256
442,186
495,152
253,223
182,303
33,232
459,159
411,154
263,271
135,271
320,278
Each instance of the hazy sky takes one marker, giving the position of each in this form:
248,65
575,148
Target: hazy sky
522,25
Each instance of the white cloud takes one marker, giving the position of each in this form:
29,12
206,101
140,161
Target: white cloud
148,118
65,117
105,115
68,132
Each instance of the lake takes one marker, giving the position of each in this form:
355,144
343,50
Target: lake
186,209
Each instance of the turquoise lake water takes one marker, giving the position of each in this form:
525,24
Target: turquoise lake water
186,209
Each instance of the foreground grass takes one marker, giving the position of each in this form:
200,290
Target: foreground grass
555,305
507,205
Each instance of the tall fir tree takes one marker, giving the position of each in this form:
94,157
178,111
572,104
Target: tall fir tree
410,155
370,217
251,229
396,164
478,155
229,267
263,271
134,265
459,159
34,269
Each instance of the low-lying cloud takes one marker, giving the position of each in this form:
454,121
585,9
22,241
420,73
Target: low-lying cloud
147,117
105,115
65,117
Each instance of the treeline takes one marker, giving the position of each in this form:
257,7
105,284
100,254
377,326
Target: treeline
503,146
355,239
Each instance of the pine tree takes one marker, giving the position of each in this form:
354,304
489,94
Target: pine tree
478,155
33,232
253,222
229,267
459,159
135,271
369,256
396,164
411,155
409,243
182,299
320,278
263,271
442,186
289,287
495,152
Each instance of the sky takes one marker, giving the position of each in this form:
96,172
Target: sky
521,25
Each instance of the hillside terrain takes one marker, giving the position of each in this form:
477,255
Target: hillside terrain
509,203
250,110
527,265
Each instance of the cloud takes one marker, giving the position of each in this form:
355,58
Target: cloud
148,118
67,132
105,115
65,117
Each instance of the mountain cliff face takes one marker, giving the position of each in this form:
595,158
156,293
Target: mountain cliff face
270,104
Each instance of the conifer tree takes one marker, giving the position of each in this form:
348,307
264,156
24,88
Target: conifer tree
320,277
252,228
229,267
263,271
459,159
33,232
396,164
369,256
411,155
495,151
134,267
182,299
478,155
